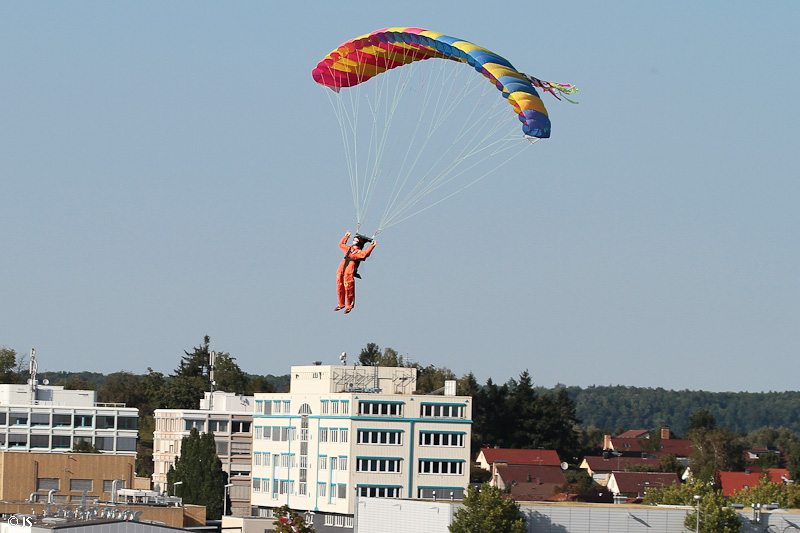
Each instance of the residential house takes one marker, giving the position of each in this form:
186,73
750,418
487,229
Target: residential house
517,457
681,449
600,468
636,484
733,482
530,483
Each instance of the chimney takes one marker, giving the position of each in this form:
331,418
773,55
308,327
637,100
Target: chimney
664,433
606,442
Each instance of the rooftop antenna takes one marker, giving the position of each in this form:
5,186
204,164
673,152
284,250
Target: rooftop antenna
212,360
343,358
32,368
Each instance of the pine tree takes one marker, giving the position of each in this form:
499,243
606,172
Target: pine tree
200,472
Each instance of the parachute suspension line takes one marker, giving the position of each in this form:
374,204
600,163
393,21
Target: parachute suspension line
430,183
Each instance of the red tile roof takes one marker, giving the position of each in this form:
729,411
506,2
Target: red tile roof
532,483
733,482
520,457
676,447
634,434
638,482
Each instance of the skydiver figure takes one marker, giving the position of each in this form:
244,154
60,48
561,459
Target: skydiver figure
348,269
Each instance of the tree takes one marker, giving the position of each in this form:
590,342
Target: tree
370,355
122,387
487,510
8,364
715,450
715,516
200,471
290,521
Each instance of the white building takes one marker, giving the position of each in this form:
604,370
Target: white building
342,433
44,418
229,417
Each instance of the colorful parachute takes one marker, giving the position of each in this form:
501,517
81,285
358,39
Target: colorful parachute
384,141
362,58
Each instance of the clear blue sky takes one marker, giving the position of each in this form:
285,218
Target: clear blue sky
170,170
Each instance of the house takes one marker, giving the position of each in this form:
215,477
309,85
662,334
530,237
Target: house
637,483
733,482
529,483
600,468
516,457
681,449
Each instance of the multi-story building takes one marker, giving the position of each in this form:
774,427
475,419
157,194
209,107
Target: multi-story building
344,433
44,418
229,417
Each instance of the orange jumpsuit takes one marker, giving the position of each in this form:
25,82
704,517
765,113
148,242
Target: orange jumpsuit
345,284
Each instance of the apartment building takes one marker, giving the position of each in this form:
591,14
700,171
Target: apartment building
229,417
344,433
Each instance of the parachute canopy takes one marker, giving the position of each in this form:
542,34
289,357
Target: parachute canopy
362,58
458,132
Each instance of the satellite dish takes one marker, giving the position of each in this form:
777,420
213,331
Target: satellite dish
46,381
343,358
564,465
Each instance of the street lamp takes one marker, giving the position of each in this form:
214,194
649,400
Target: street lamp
225,498
173,487
698,497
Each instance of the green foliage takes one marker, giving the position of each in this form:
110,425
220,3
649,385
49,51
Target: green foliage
787,496
200,471
122,387
8,365
578,482
290,521
84,446
715,516
715,450
487,510
478,474
794,462
669,463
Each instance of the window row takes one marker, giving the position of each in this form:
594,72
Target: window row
379,492
377,464
443,410
273,407
445,439
68,420
380,408
337,491
104,444
338,520
217,426
276,433
75,485
374,436
333,434
432,466
335,407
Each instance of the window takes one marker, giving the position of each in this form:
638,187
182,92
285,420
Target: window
17,441
40,441
442,467
2,419
390,437
345,407
342,491
266,459
62,420
222,448
18,419
380,408
378,464
189,425
40,419
83,421
105,422
218,426
284,487
305,409
343,434
342,463
334,463
240,426
127,422
325,407
379,492
108,485
266,408
126,444
321,489
240,448
445,439
47,483
80,485
256,484
335,407
104,443
257,458
303,488
267,435
334,435
62,441
323,434
265,485
276,407
323,462
287,406
442,410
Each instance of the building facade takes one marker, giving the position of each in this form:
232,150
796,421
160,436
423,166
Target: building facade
229,417
344,433
44,418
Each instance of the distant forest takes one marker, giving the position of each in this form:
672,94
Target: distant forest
618,408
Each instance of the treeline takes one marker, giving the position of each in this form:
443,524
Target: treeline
614,407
